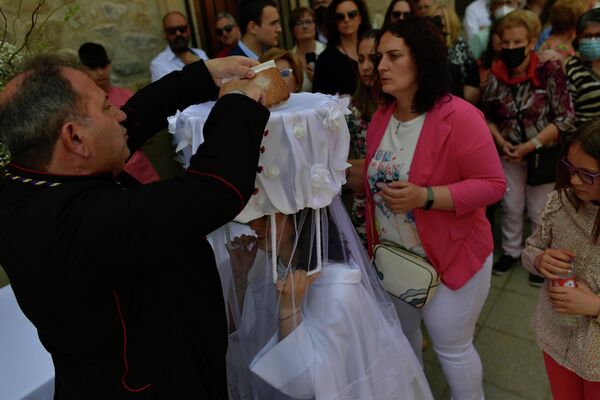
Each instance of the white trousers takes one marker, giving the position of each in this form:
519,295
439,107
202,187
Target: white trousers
518,196
450,319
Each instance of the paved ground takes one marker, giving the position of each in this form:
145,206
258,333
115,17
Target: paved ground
513,368
512,363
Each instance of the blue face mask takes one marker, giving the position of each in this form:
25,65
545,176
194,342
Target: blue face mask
589,49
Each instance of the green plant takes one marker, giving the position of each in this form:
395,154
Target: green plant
12,52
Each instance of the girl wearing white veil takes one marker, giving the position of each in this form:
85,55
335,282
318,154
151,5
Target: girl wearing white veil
308,317
325,329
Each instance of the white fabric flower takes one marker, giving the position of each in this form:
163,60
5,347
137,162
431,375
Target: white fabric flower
299,131
319,176
335,113
272,171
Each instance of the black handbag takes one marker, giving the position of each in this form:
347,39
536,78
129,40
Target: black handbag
541,165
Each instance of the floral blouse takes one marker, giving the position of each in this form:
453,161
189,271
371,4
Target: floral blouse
357,125
537,105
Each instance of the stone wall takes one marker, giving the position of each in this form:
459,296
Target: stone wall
130,31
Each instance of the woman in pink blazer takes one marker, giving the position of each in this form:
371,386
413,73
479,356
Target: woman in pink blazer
431,169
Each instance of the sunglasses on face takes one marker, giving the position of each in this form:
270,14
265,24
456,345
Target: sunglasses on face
350,14
396,15
586,177
174,29
304,22
285,72
226,29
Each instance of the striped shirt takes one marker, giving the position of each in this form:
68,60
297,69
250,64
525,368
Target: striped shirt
584,85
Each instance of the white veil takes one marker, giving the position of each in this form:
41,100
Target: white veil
326,329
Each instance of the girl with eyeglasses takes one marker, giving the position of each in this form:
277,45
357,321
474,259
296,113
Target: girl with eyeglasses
583,69
568,240
304,30
336,71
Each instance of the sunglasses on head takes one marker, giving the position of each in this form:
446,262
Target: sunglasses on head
226,29
400,15
285,72
350,14
172,30
586,177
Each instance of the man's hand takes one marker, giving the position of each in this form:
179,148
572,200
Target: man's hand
554,262
401,196
579,300
247,86
230,67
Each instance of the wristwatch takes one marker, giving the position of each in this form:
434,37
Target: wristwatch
429,201
536,142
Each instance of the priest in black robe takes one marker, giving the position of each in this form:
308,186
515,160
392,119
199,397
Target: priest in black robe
118,278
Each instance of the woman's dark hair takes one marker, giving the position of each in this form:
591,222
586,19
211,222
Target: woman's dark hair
589,17
306,252
333,36
388,14
488,56
588,138
363,98
430,58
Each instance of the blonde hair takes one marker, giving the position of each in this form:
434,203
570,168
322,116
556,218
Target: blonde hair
451,22
521,18
276,53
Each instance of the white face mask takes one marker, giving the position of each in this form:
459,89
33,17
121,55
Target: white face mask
502,11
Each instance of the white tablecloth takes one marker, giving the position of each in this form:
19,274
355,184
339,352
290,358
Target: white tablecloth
26,370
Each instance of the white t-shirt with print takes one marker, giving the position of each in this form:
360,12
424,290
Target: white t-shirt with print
391,162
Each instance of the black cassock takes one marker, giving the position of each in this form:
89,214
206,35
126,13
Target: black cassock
121,284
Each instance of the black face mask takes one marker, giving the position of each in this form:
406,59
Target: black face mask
178,45
512,58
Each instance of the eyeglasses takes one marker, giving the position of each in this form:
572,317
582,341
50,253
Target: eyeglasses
304,22
396,15
172,30
350,14
226,29
286,72
586,177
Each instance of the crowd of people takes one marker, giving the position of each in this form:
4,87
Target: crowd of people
451,124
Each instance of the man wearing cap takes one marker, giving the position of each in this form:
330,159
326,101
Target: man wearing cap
95,63
177,53
127,311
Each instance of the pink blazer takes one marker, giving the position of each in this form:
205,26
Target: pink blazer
455,149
